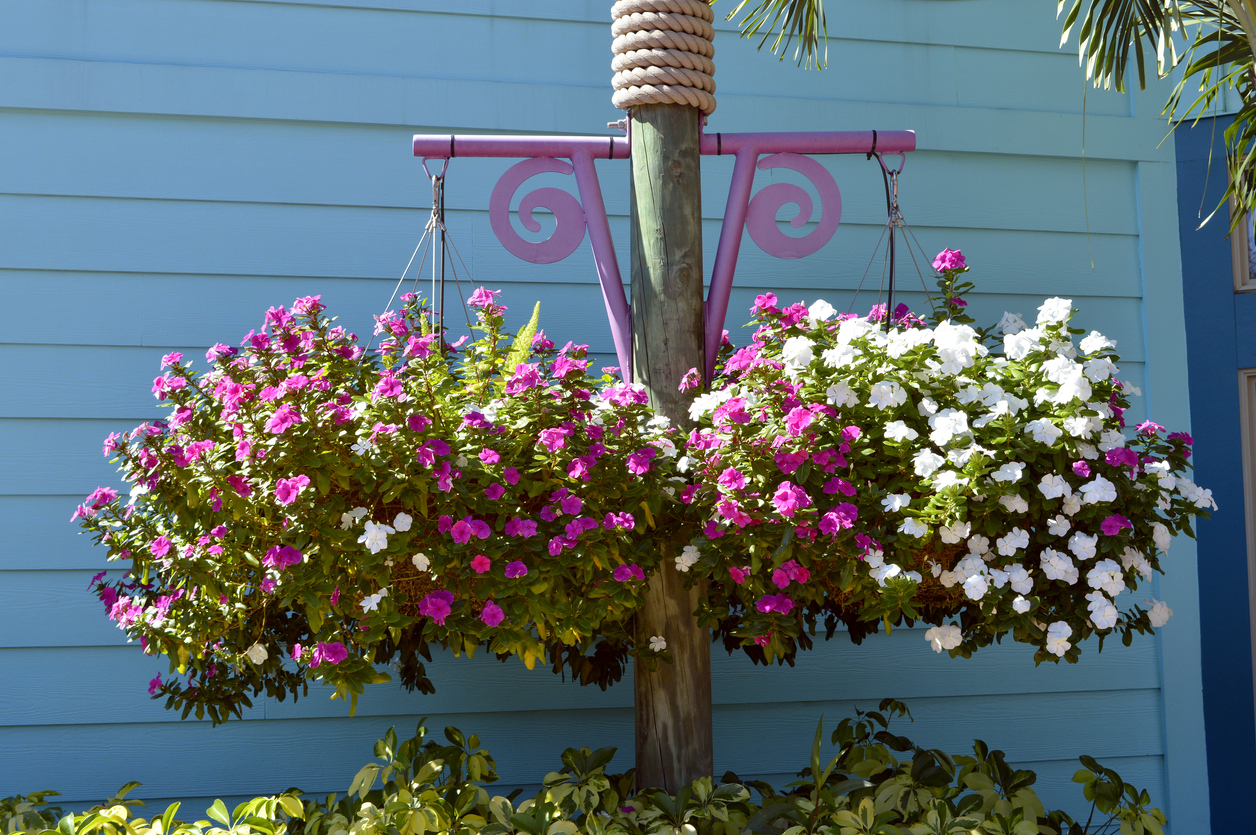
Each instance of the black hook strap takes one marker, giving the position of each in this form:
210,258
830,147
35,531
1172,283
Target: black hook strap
874,147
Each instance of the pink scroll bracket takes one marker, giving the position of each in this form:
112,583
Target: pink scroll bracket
568,213
761,216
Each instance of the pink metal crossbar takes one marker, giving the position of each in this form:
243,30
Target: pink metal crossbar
757,216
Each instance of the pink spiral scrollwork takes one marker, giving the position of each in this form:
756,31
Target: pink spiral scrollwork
568,213
761,216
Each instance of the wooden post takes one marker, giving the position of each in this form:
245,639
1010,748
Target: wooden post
673,701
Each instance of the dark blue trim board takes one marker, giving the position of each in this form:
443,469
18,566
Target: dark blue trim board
1221,339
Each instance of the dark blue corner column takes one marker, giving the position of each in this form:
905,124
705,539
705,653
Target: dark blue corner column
1221,339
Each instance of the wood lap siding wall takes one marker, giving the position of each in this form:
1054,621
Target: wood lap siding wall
171,168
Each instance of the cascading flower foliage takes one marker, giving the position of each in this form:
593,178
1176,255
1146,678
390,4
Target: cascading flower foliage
312,510
861,472
308,510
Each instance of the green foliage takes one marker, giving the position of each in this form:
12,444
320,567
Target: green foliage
1215,40
790,19
874,783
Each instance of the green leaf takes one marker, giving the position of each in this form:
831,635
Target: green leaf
218,812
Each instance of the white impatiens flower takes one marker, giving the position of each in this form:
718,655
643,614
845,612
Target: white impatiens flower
1071,505
1131,558
1080,426
1100,368
798,352
1098,490
944,637
947,425
703,404
821,311
839,394
957,345
874,558
1058,525
1044,431
1057,565
926,462
657,643
979,545
371,602
1011,323
256,653
896,502
840,356
1159,614
954,532
1103,614
687,558
976,586
884,572
913,527
1054,310
421,562
350,518
1017,346
1095,342
1161,536
887,394
1020,605
896,430
403,521
1009,472
1057,638
947,479
1018,577
1053,487
1015,503
1015,540
1083,545
1106,575
1110,439
376,537
1088,452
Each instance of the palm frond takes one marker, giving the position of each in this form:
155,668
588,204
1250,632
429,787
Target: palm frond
790,20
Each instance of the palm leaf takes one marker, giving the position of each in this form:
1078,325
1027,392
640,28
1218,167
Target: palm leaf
800,20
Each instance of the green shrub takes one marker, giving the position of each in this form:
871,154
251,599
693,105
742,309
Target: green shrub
877,783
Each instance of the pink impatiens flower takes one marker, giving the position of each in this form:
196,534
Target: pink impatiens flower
624,573
1081,468
739,575
284,418
732,479
490,456
639,461
465,528
332,652
240,485
798,419
492,614
949,259
781,603
160,546
789,499
1114,524
287,489
154,685
281,556
520,527
437,606
515,568
839,518
481,563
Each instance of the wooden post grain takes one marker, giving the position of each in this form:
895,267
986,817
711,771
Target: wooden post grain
673,701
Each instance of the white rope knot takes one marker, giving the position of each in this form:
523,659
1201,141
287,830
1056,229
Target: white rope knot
663,53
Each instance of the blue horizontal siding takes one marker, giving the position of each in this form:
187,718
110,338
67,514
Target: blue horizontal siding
189,163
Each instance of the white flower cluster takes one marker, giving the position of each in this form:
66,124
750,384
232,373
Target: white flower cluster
687,558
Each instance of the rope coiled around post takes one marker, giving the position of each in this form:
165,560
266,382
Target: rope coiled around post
663,53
